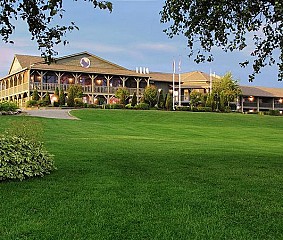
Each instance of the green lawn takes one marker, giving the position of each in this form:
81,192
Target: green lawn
152,175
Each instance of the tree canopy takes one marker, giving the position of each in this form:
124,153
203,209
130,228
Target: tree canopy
225,90
40,16
229,25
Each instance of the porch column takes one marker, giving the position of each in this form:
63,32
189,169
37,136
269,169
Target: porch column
124,79
22,82
108,78
147,82
59,76
273,103
41,74
76,76
257,103
92,77
28,93
138,80
9,86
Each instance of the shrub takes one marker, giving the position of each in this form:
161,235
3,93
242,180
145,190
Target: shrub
204,109
150,95
183,108
42,103
142,106
61,98
129,106
201,109
274,112
74,91
31,103
134,100
169,102
78,102
196,98
161,100
113,106
94,106
122,93
8,106
227,109
21,159
46,99
35,95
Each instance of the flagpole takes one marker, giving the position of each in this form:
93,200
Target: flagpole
179,93
174,84
210,82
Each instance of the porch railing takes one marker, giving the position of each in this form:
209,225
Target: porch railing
86,88
14,90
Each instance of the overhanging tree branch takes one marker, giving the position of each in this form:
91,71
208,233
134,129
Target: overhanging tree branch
39,16
225,24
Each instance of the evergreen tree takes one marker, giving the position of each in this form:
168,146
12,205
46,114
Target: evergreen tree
161,101
222,102
61,97
71,97
210,102
35,95
134,100
169,102
74,91
46,99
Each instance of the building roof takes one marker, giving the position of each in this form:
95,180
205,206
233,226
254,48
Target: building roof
71,63
90,70
188,79
164,77
25,60
197,76
261,91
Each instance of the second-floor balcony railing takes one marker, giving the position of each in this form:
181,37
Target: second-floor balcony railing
86,88
260,105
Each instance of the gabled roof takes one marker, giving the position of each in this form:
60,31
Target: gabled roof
74,60
26,61
261,91
197,76
23,61
162,77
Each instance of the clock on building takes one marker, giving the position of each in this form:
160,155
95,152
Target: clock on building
85,62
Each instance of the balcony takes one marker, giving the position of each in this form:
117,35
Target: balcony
87,89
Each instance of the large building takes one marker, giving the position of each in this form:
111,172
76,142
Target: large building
100,79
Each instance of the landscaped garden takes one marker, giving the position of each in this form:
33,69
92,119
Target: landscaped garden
151,175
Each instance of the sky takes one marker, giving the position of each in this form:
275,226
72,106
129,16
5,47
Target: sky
132,36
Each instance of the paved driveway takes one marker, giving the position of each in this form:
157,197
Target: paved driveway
51,113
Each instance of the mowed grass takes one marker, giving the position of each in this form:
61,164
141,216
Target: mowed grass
152,175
